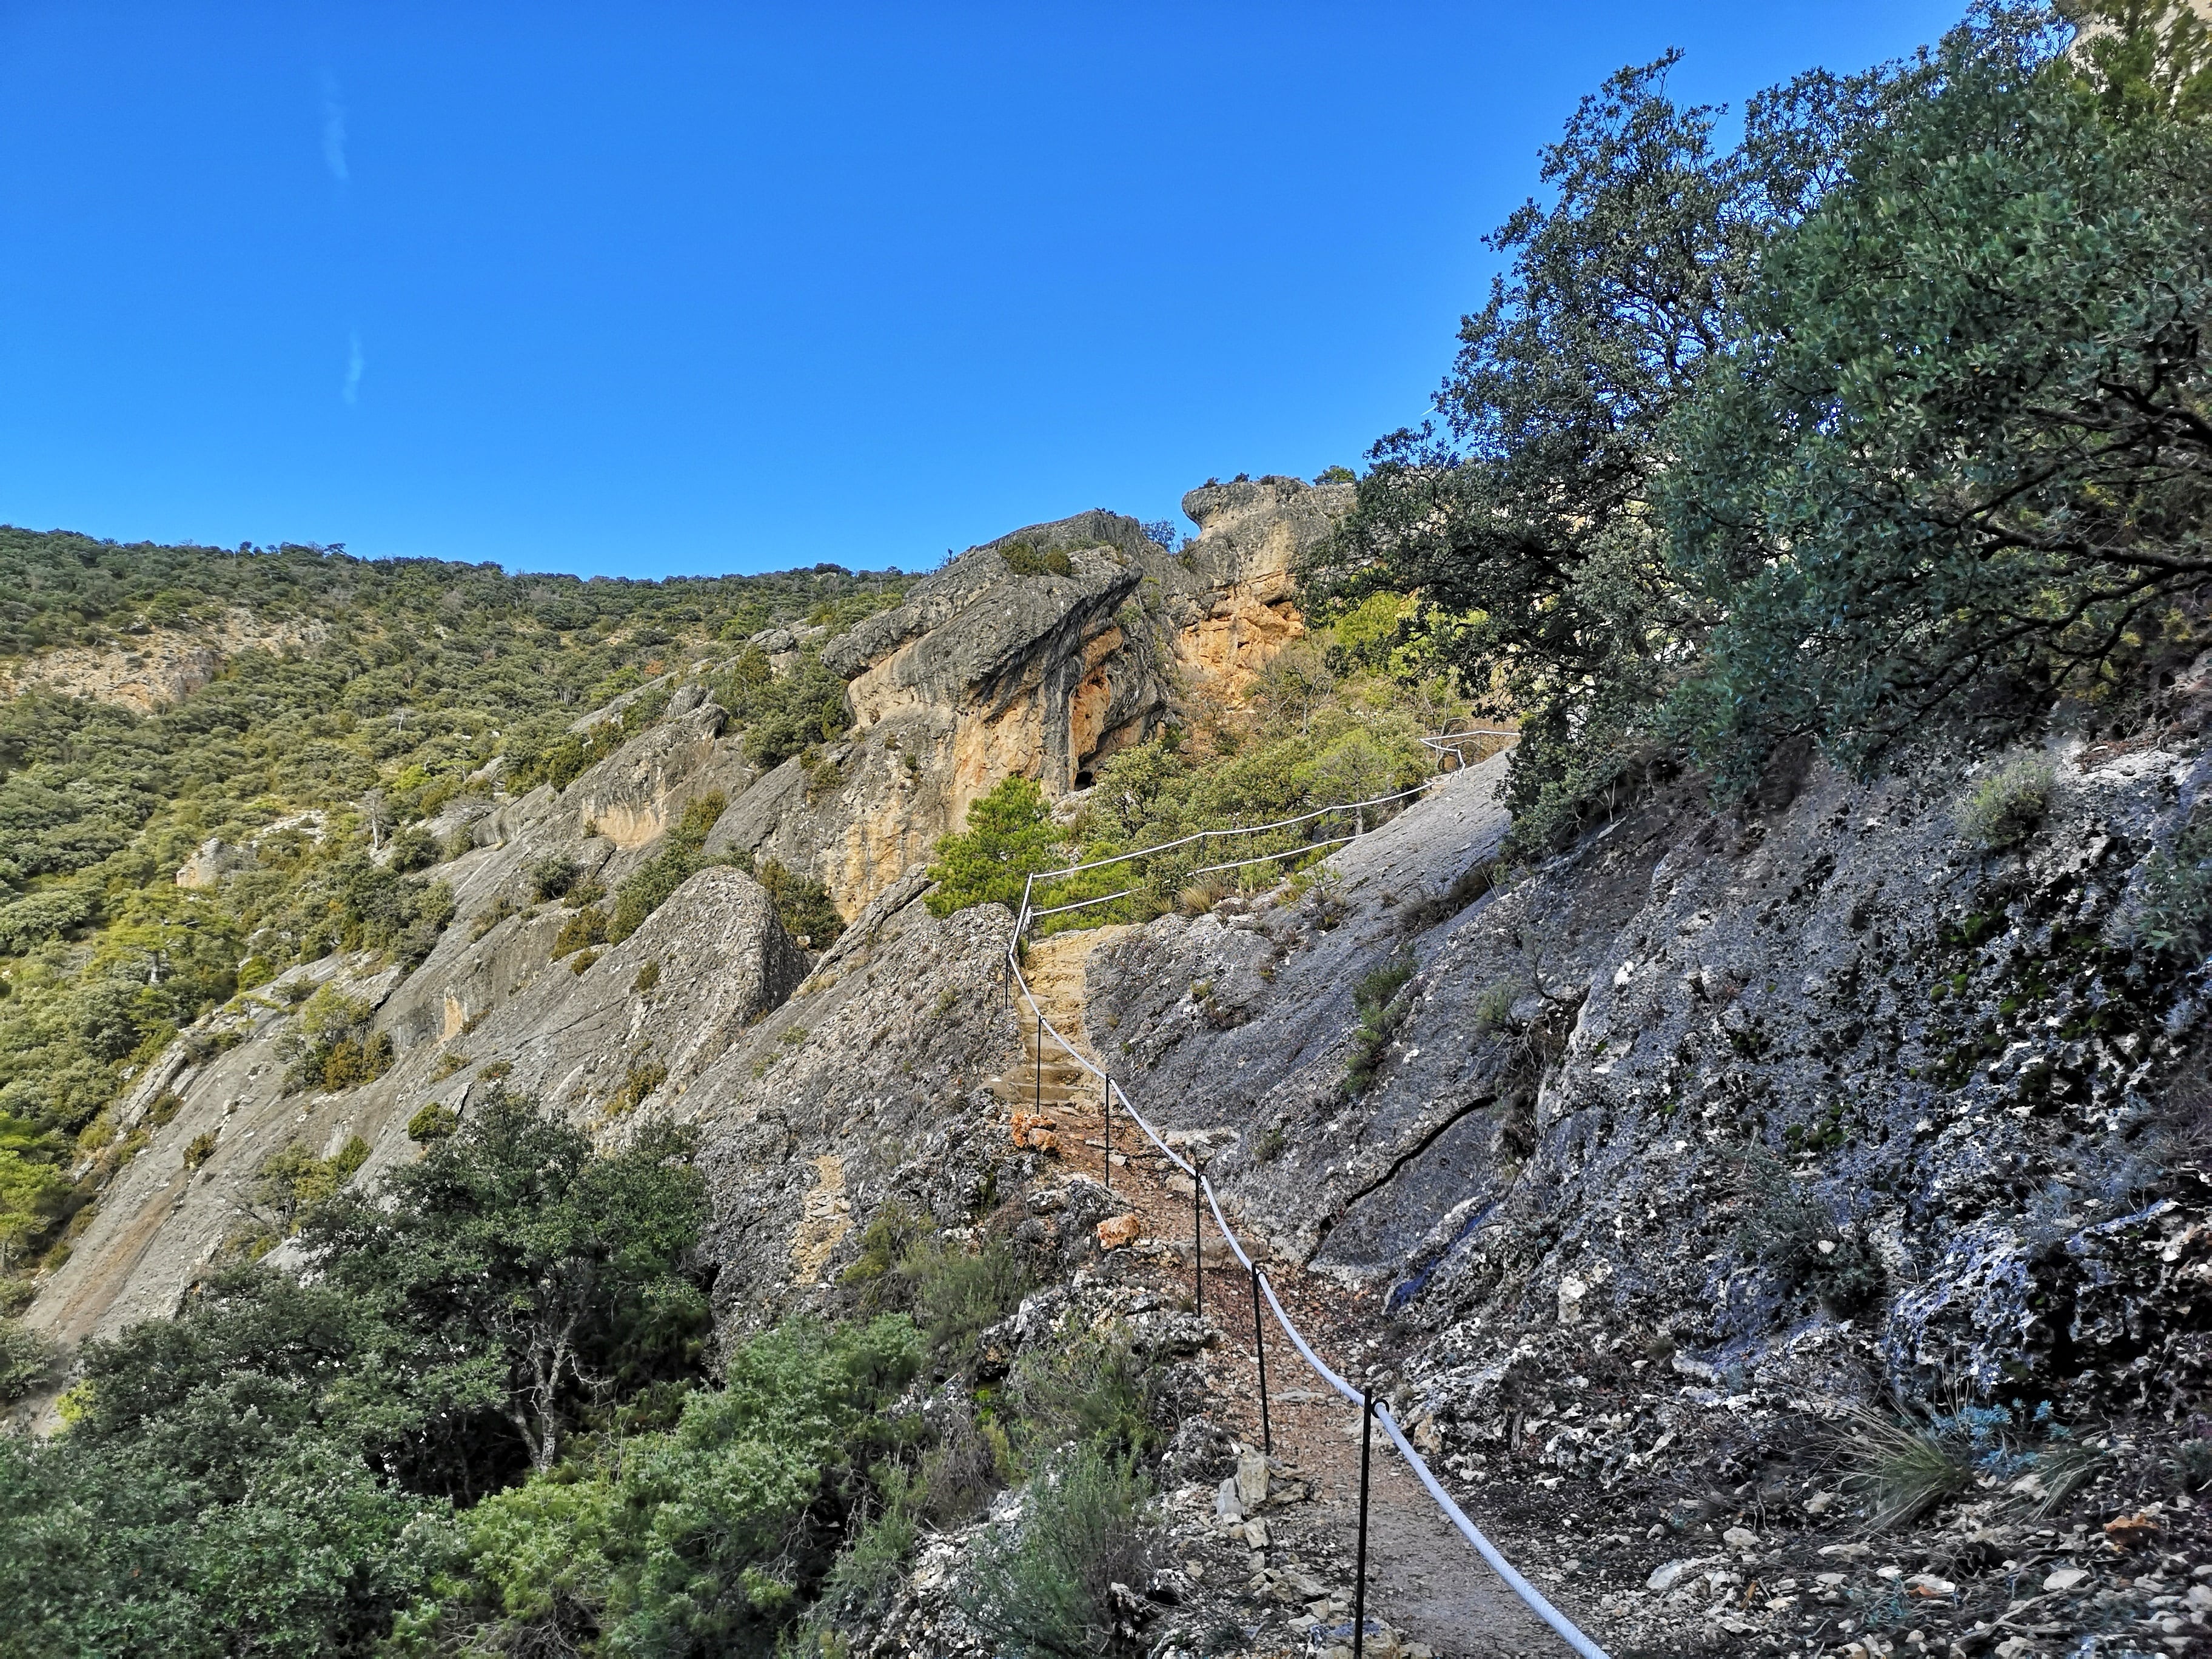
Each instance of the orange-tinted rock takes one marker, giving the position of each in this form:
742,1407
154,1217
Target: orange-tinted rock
1119,1230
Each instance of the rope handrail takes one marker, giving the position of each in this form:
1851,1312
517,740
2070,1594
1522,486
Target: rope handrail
1538,1602
1221,1221
1535,1599
1241,829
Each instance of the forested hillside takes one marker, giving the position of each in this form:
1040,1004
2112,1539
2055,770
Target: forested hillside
423,681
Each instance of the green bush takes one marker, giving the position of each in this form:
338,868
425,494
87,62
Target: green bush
1795,1236
957,1294
294,1183
29,1360
1044,1584
692,1540
1009,837
1024,558
802,905
1382,1010
2174,911
1091,1387
2004,809
783,716
414,849
637,1086
552,875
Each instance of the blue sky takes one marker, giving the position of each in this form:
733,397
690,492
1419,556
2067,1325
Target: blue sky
650,288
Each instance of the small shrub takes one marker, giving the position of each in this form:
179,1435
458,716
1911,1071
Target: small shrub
451,1060
199,1149
957,1295
580,932
351,1062
29,1360
1045,1584
648,976
496,1070
2192,1464
871,1570
820,772
294,1183
1270,1144
2005,808
970,1461
675,863
1025,558
590,890
637,1084
492,914
414,849
794,1035
1903,1469
801,904
431,1123
1493,1008
2174,911
1805,1247
1382,1010
892,1234
552,876
582,960
1094,1388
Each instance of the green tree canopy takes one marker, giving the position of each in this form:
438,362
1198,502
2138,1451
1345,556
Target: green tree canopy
1009,837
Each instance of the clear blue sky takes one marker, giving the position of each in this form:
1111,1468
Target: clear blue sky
657,287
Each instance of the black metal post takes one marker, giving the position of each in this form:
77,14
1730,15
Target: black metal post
1040,1074
1197,1240
1260,1348
1106,1113
1359,1572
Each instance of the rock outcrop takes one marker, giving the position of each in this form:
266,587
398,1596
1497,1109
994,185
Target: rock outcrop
1041,654
155,667
1243,608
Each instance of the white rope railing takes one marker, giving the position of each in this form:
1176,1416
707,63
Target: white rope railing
1449,743
1521,1587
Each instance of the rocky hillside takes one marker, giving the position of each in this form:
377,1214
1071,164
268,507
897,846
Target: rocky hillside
1036,654
1647,1177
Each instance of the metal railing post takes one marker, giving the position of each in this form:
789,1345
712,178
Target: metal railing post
1040,1065
1197,1240
1359,1571
1260,1351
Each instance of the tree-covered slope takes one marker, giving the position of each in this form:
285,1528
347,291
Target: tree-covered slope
411,678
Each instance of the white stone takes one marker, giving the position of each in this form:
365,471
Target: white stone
1251,1481
1667,1575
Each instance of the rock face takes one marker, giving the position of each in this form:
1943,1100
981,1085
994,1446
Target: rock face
1041,654
1819,1095
701,1016
157,666
1245,559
